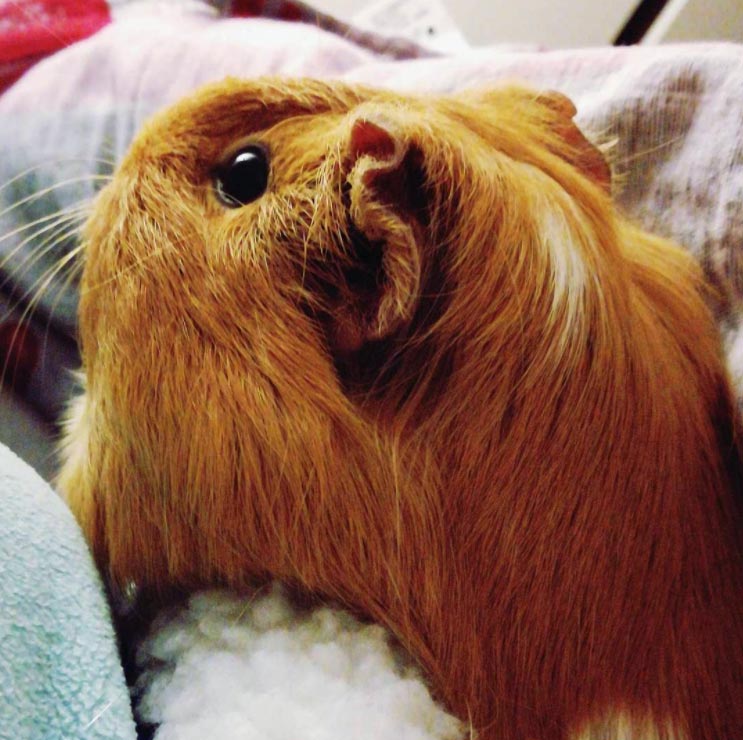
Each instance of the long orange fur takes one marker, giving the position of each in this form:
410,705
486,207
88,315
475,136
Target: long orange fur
431,374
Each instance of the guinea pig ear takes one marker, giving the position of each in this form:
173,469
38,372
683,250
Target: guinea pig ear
386,218
587,157
557,112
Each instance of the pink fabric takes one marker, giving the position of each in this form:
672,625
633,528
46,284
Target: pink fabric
32,29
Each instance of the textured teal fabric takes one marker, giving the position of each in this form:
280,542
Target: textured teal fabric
60,675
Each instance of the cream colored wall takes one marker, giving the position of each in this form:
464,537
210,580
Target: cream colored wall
548,22
555,23
697,20
573,23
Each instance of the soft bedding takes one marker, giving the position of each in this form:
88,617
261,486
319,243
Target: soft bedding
60,677
673,117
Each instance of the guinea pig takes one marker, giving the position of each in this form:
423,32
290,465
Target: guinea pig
402,352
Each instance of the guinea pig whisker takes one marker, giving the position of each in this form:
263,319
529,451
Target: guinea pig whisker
44,166
75,211
74,273
64,219
42,283
48,245
642,153
62,229
36,291
36,194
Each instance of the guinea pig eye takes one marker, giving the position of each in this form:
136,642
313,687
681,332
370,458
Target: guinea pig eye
244,178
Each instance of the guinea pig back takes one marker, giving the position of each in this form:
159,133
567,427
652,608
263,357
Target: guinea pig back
403,352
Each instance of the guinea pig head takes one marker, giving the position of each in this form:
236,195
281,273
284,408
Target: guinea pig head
289,305
255,238
270,293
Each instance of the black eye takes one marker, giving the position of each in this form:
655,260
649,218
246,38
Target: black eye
244,178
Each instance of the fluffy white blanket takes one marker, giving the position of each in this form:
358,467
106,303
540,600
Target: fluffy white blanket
257,668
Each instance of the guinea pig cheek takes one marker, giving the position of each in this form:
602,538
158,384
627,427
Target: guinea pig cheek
108,255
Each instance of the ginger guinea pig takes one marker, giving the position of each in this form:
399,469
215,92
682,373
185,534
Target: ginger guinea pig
402,352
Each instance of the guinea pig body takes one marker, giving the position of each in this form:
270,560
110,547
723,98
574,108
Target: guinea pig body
426,370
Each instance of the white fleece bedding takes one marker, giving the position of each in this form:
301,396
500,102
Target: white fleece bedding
257,668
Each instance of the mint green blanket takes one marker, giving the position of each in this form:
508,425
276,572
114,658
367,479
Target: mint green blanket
60,675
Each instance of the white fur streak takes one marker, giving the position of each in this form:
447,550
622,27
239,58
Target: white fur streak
569,271
255,669
734,351
621,726
568,268
558,221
